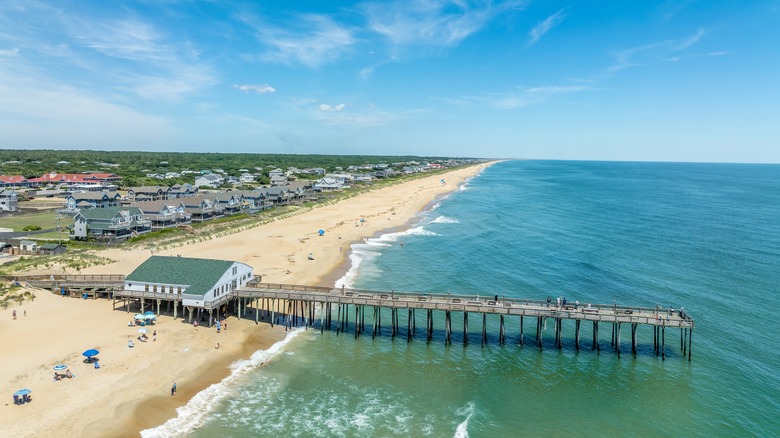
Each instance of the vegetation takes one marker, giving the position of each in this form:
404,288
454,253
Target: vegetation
76,259
134,166
32,228
44,220
14,292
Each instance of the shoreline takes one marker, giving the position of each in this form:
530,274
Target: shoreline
285,246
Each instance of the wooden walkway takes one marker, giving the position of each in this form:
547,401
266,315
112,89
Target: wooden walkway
301,304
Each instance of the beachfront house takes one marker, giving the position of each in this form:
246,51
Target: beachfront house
202,208
148,193
197,283
86,200
166,213
109,224
9,200
328,185
181,190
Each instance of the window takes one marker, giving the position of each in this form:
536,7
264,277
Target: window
154,288
146,288
235,270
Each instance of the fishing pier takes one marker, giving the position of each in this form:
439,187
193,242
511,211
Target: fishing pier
345,311
299,305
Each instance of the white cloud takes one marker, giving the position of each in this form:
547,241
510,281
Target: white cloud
543,27
336,108
259,89
431,22
311,39
653,53
9,52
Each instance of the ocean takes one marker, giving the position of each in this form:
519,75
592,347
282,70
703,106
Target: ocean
705,237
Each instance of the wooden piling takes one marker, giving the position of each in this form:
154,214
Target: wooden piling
465,328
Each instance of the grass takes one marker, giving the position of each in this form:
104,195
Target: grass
76,259
10,293
44,219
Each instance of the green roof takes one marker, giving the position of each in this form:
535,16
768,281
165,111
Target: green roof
199,275
50,245
108,212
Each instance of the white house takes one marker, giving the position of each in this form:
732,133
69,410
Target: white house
197,283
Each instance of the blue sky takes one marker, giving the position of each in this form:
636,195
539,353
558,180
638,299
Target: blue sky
606,80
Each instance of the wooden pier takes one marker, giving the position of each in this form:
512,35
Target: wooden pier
296,305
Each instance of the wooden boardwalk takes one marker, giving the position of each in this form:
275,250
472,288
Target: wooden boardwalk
301,304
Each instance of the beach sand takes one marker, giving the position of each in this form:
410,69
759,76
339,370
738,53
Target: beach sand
131,390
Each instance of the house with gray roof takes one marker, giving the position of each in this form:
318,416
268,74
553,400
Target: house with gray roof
165,213
81,200
181,190
196,283
202,208
110,224
148,193
9,200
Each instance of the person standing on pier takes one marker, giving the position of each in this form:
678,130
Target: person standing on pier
548,301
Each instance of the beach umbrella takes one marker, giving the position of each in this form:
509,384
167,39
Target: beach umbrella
139,316
60,367
91,352
322,232
142,330
22,392
149,312
152,316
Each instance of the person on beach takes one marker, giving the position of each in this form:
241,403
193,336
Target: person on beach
154,336
548,301
216,346
173,388
14,312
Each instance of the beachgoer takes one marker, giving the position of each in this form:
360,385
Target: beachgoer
25,313
224,325
56,376
576,304
495,298
69,374
14,314
217,346
548,301
154,336
173,388
130,344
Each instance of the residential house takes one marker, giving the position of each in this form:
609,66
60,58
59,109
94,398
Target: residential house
197,283
247,178
254,200
275,172
148,193
165,213
327,185
209,180
86,200
75,180
278,180
230,202
180,190
9,200
110,223
201,208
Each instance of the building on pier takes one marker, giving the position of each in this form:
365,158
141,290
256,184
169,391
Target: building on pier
196,283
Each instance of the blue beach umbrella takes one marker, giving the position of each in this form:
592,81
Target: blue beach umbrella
150,316
60,367
22,392
322,232
91,352
149,312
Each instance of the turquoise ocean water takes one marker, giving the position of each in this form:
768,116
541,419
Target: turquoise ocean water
702,236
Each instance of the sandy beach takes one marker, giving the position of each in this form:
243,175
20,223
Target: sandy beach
132,389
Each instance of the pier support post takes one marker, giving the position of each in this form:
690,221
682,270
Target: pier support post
448,327
175,307
484,329
272,312
690,336
376,316
211,316
357,321
633,339
408,325
430,325
617,339
663,342
158,307
465,328
577,335
190,312
501,333
522,336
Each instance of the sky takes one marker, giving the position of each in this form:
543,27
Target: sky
593,80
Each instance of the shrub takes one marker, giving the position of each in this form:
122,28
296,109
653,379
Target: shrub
31,228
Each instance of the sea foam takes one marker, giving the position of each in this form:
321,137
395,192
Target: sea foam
195,413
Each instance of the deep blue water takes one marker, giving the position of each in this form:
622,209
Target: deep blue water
702,236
